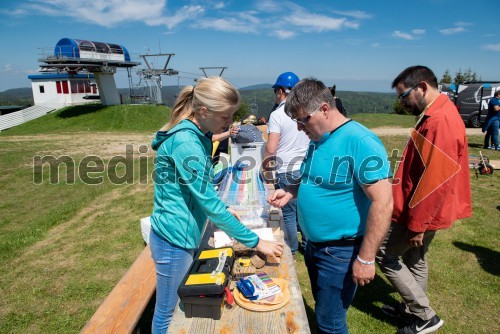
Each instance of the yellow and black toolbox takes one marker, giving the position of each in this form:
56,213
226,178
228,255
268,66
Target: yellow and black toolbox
202,290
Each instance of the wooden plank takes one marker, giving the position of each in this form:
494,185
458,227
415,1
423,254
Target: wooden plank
121,310
495,164
292,318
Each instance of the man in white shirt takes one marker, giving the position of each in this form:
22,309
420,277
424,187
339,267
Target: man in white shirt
288,146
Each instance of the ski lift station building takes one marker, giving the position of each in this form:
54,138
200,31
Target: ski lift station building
78,71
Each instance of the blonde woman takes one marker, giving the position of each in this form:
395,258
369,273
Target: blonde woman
184,197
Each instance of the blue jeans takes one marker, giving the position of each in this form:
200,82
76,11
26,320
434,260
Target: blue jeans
492,132
330,272
171,263
290,210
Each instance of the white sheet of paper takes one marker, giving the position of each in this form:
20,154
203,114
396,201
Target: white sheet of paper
221,239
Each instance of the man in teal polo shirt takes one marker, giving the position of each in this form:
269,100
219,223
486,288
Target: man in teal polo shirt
344,201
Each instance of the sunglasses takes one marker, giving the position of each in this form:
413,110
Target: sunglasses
305,120
405,94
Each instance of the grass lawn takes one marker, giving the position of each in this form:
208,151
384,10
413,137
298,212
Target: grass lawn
64,246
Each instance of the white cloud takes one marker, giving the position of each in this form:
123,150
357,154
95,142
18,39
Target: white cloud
185,13
463,24
403,35
492,47
267,16
459,27
375,45
300,19
110,13
229,25
269,6
318,23
244,22
13,69
250,17
14,12
451,31
357,14
219,5
418,31
282,34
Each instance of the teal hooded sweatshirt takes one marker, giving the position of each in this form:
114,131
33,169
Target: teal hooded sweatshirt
184,197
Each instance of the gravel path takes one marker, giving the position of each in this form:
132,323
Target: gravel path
389,131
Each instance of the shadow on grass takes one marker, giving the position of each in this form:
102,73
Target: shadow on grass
365,301
476,145
377,291
310,316
486,257
80,110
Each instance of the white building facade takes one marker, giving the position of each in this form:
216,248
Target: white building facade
63,88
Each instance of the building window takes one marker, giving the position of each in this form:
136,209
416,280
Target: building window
42,89
58,86
65,87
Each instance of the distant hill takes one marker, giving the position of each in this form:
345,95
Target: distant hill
354,102
259,98
257,87
17,96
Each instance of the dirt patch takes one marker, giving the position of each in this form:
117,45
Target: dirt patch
103,144
392,131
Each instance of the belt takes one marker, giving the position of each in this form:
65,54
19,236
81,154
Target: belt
341,242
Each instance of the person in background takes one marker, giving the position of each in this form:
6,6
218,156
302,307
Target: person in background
338,101
424,204
492,122
222,141
184,197
344,201
287,146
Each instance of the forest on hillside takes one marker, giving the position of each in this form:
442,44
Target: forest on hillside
259,101
354,102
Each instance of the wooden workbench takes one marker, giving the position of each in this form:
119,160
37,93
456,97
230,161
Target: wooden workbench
291,318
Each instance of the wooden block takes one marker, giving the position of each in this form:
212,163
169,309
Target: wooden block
272,260
274,216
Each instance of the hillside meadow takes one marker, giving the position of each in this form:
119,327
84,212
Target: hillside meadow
66,238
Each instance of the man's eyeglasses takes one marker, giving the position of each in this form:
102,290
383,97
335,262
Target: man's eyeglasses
305,120
405,94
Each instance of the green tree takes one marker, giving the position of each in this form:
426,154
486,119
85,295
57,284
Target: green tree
399,109
241,112
467,75
459,76
446,79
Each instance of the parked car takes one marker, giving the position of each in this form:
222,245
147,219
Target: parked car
471,99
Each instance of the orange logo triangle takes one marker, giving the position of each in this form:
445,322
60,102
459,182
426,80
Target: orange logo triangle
439,168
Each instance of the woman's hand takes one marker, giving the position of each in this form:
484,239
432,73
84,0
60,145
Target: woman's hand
272,249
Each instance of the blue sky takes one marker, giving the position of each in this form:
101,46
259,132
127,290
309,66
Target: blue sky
359,45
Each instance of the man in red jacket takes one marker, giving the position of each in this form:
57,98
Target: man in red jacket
431,190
